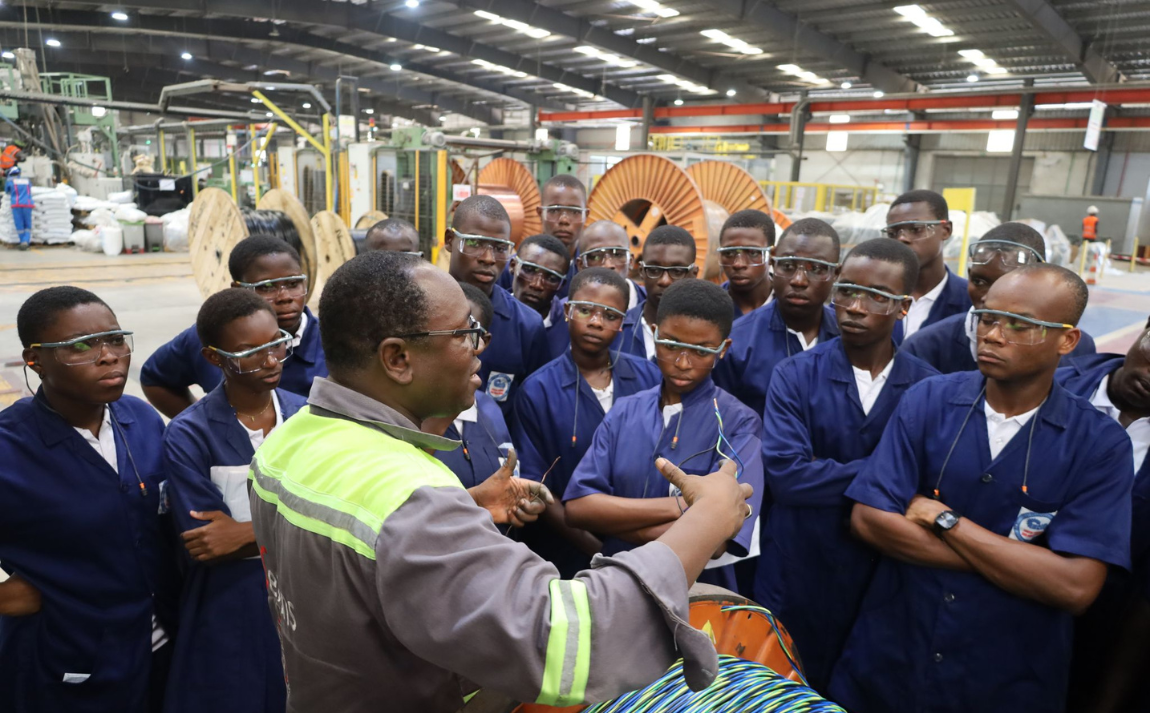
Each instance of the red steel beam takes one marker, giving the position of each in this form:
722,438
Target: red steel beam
909,127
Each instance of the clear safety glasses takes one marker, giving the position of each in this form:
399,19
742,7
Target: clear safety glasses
533,272
914,230
656,272
1015,328
477,245
417,253
293,286
571,213
581,311
89,348
672,352
254,359
871,300
474,332
606,257
729,257
819,270
1010,253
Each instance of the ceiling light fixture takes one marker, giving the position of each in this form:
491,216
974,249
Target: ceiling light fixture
1004,114
980,60
732,42
523,27
654,7
846,85
369,110
923,21
797,71
606,57
684,84
678,102
186,56
306,105
972,78
840,118
498,68
731,92
879,94
120,16
7,55
412,3
52,42
395,66
581,92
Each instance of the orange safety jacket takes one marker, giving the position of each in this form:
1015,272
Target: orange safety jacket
1090,227
9,156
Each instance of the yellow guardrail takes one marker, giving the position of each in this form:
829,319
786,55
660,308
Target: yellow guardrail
827,196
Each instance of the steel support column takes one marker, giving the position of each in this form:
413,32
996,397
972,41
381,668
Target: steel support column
1025,109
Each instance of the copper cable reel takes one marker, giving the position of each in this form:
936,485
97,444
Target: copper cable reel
510,183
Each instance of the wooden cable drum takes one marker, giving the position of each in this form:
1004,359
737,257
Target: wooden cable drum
727,189
510,183
369,219
333,247
216,225
458,175
645,191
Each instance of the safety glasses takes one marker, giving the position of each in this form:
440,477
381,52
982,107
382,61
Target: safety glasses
292,286
1010,253
572,213
477,245
914,230
474,332
1015,328
656,272
254,359
532,272
729,257
671,351
871,300
417,253
601,257
819,270
581,311
89,348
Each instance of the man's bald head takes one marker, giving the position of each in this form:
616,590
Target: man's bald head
1056,292
602,234
392,234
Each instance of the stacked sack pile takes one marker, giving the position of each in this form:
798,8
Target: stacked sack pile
51,218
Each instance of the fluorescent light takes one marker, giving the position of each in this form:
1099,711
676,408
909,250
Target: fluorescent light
497,68
488,15
411,3
840,118
846,85
790,68
270,89
972,77
99,112
268,115
52,42
1004,114
646,40
255,101
1000,141
186,56
606,56
996,70
395,66
523,27
911,11
584,49
7,55
732,42
971,54
678,102
120,16
717,35
307,105
925,22
581,92
369,111
475,131
980,60
731,92
879,94
652,6
542,135
797,71
684,84
623,137
984,62
837,140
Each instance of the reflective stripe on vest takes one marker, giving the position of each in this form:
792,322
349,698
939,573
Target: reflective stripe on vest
568,663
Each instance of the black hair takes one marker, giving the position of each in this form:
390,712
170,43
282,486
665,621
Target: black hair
892,251
476,297
814,228
223,308
565,180
936,202
699,299
670,235
1020,233
751,218
600,276
485,206
39,311
549,243
389,226
1078,290
369,298
254,247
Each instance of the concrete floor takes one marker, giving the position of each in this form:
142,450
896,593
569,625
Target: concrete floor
155,296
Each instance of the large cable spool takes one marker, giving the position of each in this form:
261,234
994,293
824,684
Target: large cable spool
458,175
645,191
333,247
510,183
369,219
216,225
727,189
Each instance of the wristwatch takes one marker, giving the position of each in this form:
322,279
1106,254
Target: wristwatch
945,522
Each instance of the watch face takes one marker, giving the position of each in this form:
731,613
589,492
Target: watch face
947,520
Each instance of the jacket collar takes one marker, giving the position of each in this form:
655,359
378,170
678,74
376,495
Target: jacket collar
501,301
620,369
334,400
704,394
828,327
309,344
1056,410
54,429
843,371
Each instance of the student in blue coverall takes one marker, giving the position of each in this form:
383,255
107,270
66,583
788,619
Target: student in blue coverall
392,235
602,244
805,261
1110,655
228,654
826,409
87,617
997,498
479,242
540,267
271,268
486,442
562,211
949,345
561,405
19,190
685,419
744,254
921,220
668,256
